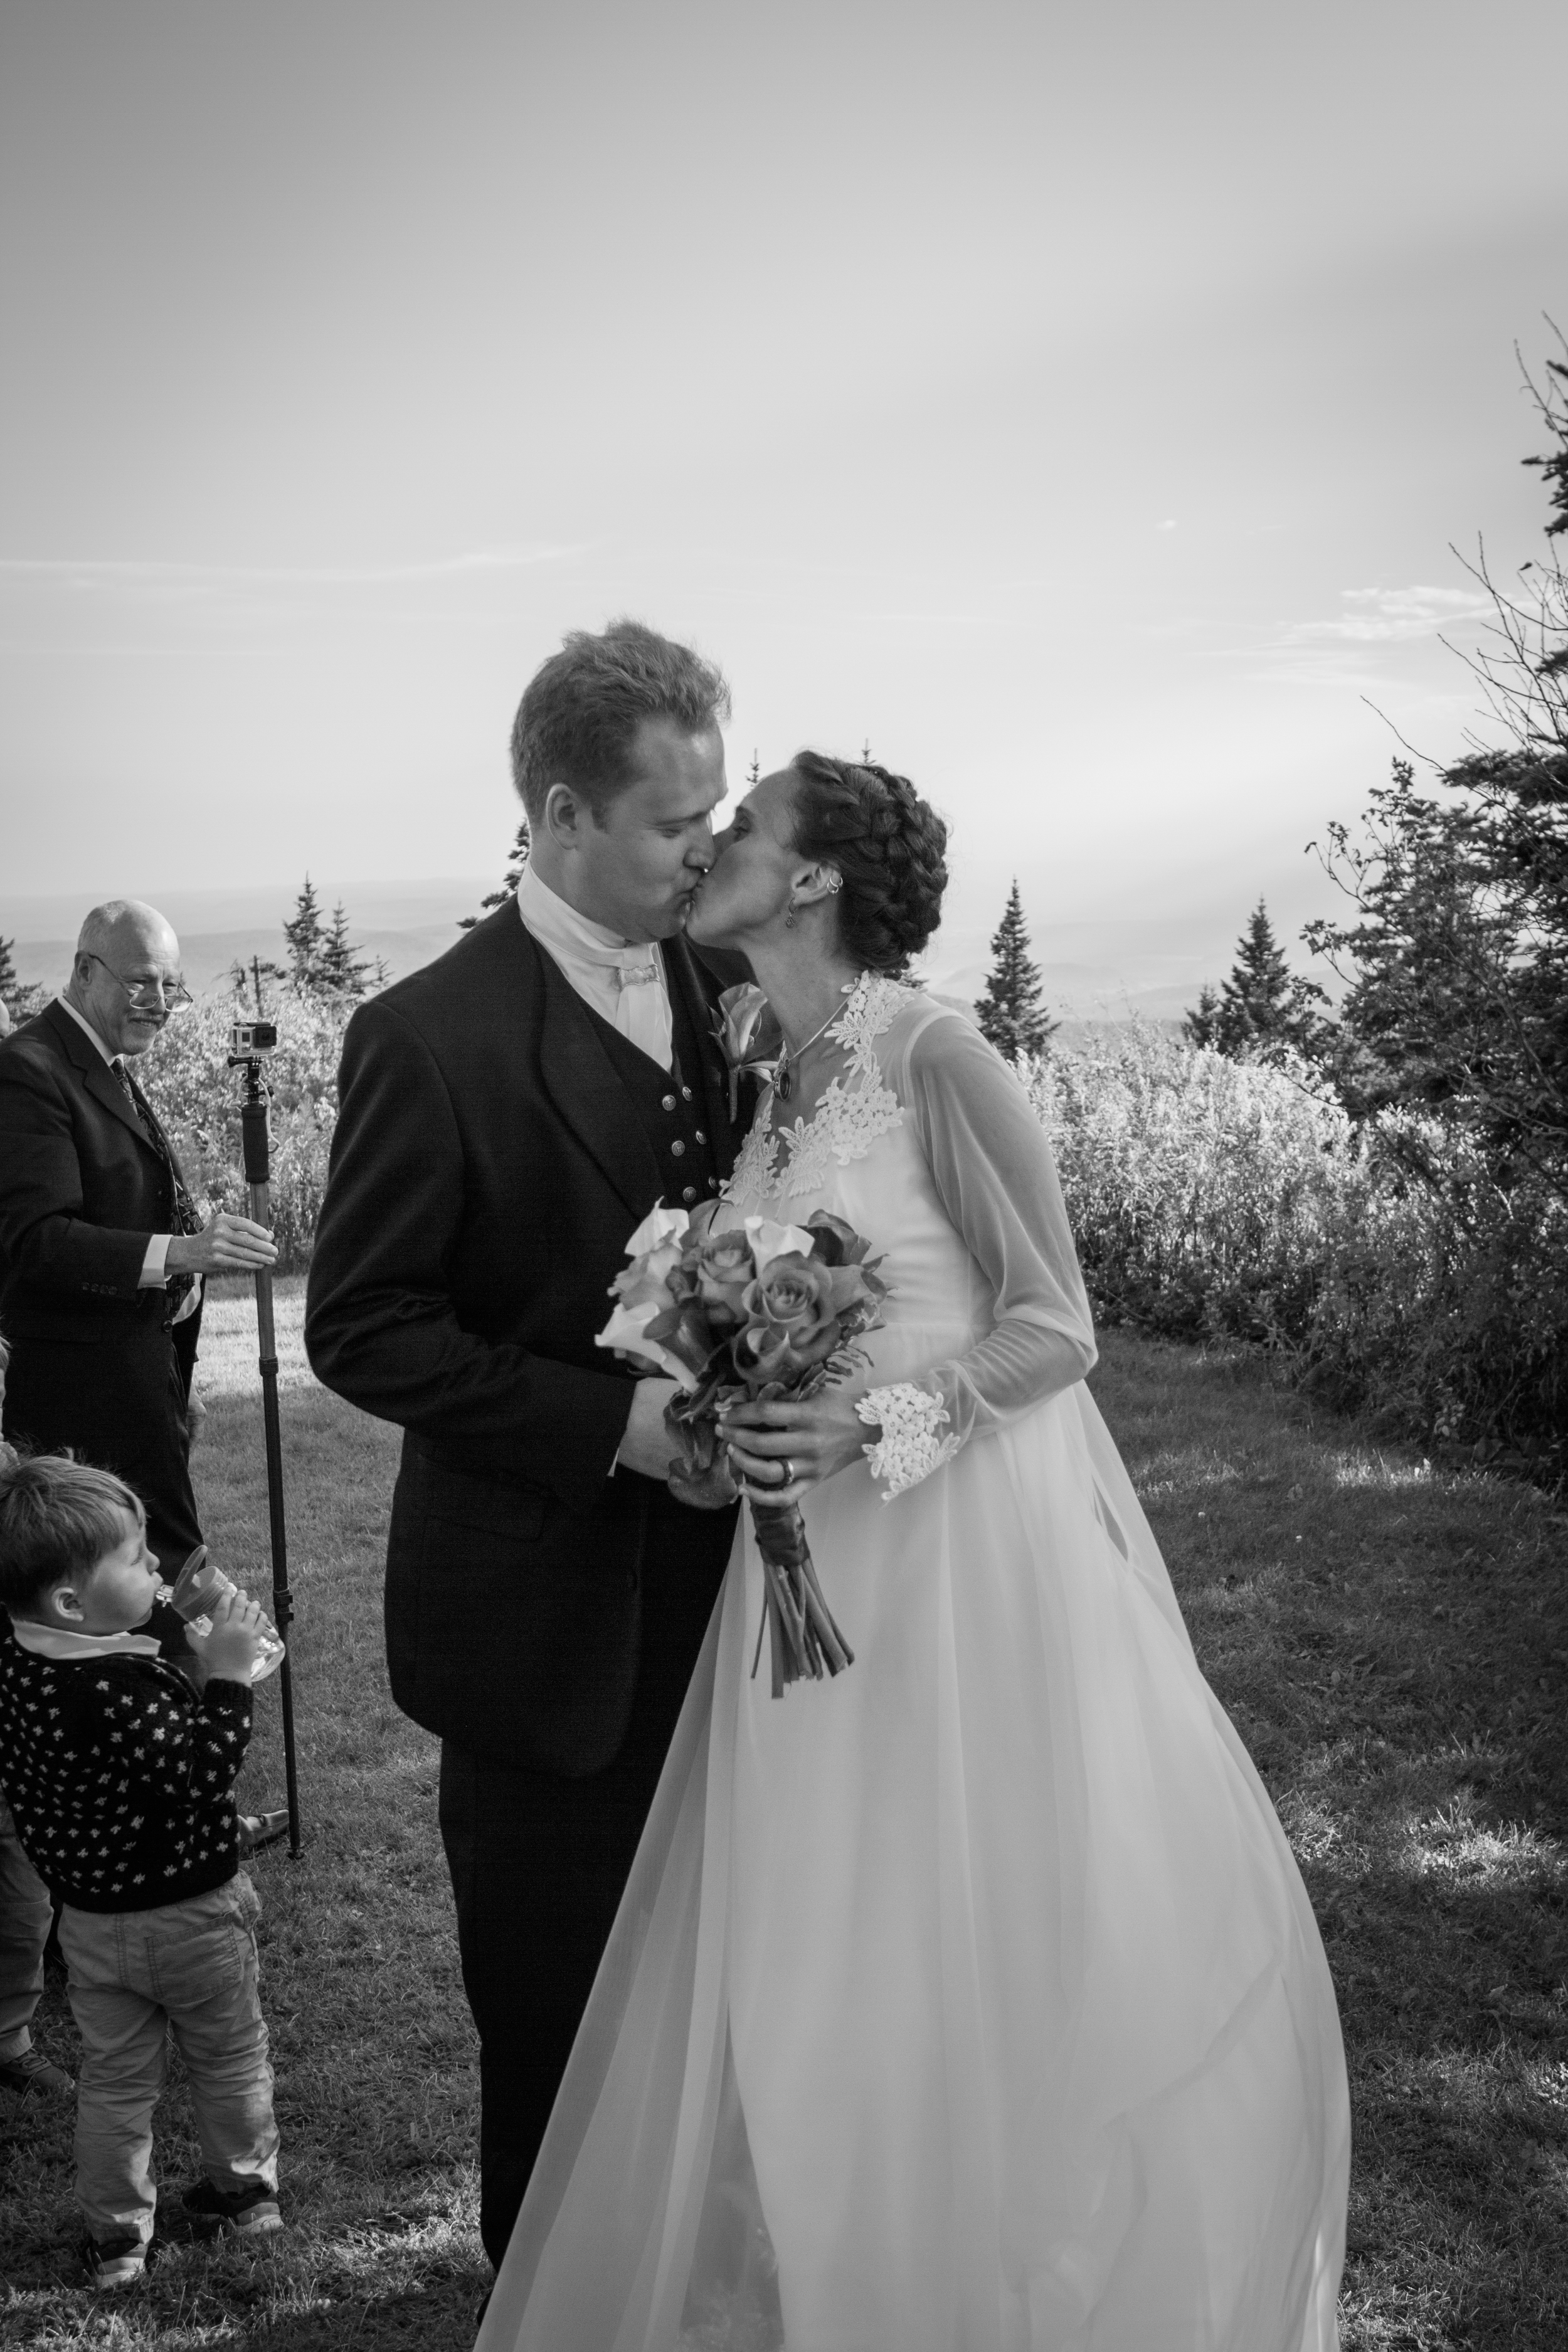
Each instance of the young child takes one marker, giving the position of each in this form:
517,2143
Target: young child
27,1915
122,1781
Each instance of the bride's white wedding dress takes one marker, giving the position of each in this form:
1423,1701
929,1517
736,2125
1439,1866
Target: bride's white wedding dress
970,2001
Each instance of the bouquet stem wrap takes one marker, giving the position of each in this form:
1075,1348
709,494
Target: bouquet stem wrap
804,1640
755,1313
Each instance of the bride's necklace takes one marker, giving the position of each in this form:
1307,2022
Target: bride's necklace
783,1076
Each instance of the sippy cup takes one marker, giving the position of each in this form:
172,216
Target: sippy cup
197,1589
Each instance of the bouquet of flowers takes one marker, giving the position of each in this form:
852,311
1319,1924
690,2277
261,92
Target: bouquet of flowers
756,1312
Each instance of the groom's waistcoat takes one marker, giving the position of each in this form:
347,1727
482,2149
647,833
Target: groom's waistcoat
497,1144
671,1107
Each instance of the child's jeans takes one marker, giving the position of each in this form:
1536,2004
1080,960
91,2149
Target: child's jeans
135,1975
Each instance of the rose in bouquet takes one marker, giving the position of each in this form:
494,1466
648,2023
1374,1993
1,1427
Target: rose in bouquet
756,1311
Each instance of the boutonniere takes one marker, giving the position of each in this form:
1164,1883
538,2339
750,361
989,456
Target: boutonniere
749,1037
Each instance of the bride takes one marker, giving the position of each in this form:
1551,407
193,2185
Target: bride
970,2001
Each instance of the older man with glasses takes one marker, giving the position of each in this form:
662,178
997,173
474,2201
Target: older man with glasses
102,1251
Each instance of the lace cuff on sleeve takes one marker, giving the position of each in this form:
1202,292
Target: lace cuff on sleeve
910,1448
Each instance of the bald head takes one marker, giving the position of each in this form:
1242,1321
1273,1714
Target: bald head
126,927
127,960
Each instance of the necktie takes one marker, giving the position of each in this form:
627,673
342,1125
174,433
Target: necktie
642,1008
183,1209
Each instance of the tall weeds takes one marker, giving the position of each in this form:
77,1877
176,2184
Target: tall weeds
1210,1198
197,1097
1233,1200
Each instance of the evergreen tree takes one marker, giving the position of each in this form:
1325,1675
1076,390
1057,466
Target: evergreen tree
305,935
1010,1013
1263,1008
1199,1023
21,998
340,971
754,772
1255,1002
242,976
522,842
1457,957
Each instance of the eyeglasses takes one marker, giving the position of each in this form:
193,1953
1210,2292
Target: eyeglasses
172,994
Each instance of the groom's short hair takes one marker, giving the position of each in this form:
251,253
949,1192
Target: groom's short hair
582,709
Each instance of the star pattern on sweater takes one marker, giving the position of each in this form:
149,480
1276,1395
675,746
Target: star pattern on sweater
121,1778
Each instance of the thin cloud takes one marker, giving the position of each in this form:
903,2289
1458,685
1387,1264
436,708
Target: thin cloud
1381,616
164,580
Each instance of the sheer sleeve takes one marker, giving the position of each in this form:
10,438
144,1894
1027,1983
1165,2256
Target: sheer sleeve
992,1166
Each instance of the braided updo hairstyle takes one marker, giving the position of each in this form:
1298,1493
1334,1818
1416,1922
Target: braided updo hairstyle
886,842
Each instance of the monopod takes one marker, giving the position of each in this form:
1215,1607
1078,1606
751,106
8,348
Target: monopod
250,1041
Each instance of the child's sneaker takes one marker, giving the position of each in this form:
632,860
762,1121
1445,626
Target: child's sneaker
248,2212
30,2070
116,2261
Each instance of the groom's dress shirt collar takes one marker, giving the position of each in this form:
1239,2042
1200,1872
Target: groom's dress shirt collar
626,985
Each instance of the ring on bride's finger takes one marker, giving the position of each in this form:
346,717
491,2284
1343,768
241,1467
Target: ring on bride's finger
788,1478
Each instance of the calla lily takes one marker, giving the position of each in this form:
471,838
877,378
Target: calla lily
660,1225
744,1019
749,1036
626,1332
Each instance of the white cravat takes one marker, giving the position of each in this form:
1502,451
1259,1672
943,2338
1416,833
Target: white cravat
626,984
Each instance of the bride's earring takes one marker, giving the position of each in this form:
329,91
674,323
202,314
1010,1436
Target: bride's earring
789,915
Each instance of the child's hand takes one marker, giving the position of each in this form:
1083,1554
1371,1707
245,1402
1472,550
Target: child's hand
231,1650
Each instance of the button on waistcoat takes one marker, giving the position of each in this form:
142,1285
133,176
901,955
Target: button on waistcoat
671,1107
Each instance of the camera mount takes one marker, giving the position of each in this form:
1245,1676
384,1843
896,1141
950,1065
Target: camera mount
250,1042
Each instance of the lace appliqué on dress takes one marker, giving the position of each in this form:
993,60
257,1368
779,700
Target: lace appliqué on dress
846,1121
753,1171
910,1448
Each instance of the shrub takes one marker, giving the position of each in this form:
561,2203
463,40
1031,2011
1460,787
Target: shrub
1231,1199
197,1097
1210,1198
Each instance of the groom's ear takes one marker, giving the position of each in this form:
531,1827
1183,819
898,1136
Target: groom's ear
564,815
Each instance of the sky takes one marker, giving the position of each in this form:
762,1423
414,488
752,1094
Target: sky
1082,407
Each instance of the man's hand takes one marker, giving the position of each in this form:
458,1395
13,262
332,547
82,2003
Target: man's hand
224,1245
231,1648
647,1446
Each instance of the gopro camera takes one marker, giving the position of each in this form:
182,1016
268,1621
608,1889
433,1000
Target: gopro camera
247,1038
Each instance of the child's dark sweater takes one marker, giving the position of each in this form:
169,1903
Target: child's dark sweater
120,1776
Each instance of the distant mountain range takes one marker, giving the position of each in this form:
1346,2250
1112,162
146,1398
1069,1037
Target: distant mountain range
1092,970
407,924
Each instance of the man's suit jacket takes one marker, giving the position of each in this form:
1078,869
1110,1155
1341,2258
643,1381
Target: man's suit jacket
486,1169
82,1191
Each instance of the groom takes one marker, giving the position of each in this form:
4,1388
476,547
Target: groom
507,1115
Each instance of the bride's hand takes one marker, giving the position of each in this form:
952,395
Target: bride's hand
811,1439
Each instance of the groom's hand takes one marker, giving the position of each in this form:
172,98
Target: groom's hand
647,1446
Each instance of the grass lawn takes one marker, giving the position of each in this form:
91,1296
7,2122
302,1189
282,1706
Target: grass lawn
1392,1641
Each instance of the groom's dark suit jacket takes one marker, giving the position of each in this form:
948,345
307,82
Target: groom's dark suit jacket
487,1167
